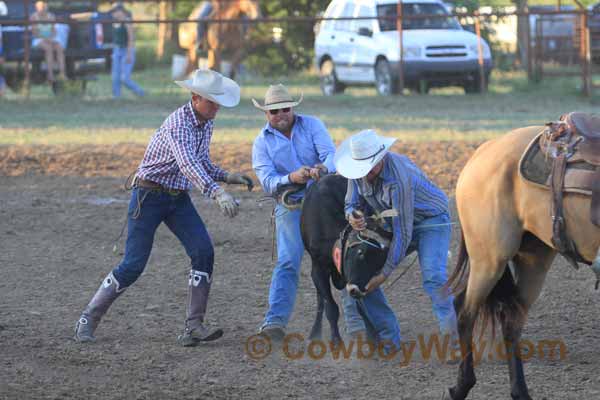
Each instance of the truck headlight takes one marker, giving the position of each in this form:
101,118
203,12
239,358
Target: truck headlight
411,51
486,50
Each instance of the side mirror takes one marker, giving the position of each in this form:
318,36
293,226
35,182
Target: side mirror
364,31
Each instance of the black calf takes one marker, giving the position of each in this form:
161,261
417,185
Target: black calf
321,223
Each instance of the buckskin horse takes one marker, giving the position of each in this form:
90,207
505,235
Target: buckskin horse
521,199
226,38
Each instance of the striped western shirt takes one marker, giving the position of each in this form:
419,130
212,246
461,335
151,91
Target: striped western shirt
178,155
401,185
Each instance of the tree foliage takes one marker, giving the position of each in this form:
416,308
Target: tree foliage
294,51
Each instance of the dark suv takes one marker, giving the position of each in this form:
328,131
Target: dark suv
85,53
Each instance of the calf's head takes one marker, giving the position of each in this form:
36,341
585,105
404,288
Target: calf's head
364,256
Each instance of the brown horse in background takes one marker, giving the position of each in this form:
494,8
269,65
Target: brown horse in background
506,219
225,40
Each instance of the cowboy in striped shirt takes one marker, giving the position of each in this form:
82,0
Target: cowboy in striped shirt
379,180
176,160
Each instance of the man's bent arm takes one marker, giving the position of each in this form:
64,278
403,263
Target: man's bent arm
188,162
263,166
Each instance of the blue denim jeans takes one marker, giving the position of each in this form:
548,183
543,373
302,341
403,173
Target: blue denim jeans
180,216
431,242
121,72
380,314
284,282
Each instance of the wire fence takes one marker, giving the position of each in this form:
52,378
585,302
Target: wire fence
546,43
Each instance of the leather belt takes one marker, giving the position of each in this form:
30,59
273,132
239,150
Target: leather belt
146,184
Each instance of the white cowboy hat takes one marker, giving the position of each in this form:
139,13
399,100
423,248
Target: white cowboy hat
213,86
358,154
277,97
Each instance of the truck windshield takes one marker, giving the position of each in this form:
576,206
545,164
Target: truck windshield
409,9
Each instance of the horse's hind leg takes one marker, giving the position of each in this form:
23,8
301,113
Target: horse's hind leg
531,265
467,304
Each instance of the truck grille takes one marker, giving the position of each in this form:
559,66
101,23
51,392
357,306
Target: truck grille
445,51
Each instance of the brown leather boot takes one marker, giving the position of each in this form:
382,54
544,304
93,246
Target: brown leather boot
106,294
195,331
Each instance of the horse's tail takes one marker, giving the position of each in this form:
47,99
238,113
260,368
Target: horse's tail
457,282
501,304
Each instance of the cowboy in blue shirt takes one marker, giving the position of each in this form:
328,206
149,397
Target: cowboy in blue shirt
380,181
291,148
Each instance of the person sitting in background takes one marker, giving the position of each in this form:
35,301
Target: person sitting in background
44,37
123,55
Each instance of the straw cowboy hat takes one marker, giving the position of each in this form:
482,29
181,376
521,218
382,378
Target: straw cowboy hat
277,97
213,86
358,154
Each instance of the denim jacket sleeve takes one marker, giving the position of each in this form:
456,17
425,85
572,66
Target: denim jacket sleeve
353,199
402,201
323,145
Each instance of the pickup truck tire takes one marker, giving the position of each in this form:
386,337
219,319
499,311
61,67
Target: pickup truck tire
473,86
330,84
385,83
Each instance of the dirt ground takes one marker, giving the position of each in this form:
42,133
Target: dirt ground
61,210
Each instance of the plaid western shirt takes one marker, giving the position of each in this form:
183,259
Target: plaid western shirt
178,155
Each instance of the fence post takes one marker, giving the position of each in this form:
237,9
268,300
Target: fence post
528,45
586,55
163,28
27,44
399,13
539,50
482,87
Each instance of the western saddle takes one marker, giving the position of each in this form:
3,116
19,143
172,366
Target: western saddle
571,148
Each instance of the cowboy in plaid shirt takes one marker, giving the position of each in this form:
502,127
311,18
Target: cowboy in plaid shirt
176,159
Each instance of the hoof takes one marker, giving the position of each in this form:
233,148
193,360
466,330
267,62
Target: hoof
446,395
315,335
336,340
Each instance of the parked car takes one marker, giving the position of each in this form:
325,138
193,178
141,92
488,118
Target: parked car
436,51
85,53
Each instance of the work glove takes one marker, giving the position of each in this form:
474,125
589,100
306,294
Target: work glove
227,204
236,178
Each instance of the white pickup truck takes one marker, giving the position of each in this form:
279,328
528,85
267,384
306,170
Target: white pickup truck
437,51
